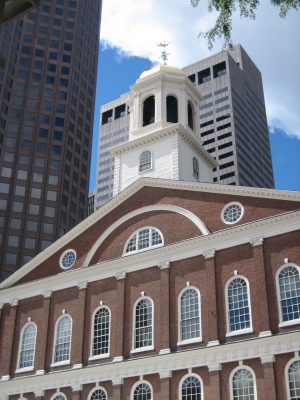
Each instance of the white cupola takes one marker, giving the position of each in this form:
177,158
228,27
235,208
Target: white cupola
164,132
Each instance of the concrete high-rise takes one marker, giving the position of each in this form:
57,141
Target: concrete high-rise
233,123
47,96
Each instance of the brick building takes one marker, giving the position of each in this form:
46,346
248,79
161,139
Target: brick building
172,290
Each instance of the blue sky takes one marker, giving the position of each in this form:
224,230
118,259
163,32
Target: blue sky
120,72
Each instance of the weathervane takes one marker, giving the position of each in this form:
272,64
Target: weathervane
164,54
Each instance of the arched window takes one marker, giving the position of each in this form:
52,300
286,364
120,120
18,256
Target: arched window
242,385
145,161
101,332
98,394
172,109
190,116
63,339
195,168
144,239
27,348
238,305
58,396
191,388
143,323
142,391
149,111
288,279
293,379
189,316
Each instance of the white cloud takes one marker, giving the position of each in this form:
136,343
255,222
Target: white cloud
135,27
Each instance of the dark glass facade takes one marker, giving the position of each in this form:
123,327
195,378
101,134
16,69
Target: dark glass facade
47,97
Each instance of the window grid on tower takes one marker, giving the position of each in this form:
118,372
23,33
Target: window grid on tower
27,346
101,332
239,316
289,293
189,315
63,339
143,324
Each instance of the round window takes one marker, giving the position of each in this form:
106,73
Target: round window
232,213
67,259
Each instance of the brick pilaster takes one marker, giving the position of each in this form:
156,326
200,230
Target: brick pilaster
119,317
43,335
8,334
258,254
78,354
211,299
214,375
117,388
269,377
165,306
38,394
165,383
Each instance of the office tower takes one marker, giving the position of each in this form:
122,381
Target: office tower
233,124
47,107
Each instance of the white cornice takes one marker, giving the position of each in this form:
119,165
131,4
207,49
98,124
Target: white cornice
230,237
130,191
164,364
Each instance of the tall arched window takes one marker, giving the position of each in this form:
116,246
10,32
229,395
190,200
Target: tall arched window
101,332
27,348
195,168
189,316
149,111
142,391
293,379
242,385
288,279
191,388
143,324
63,339
190,116
172,109
98,394
145,161
238,306
145,238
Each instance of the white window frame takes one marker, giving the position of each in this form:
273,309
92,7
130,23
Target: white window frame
65,362
233,203
62,256
147,248
197,177
146,348
24,369
194,340
184,378
96,388
105,355
58,394
140,155
241,331
137,384
286,375
231,377
281,322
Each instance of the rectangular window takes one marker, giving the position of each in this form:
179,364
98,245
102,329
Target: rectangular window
39,162
54,164
31,226
221,100
222,109
206,106
223,146
204,76
37,177
206,114
41,147
219,69
220,91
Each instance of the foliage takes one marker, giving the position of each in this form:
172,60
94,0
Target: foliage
223,25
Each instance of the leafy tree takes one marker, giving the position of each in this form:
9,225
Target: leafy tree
223,25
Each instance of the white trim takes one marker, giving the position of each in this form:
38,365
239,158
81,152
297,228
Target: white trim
286,375
146,348
58,394
31,368
105,355
142,349
231,377
233,203
157,207
97,388
240,331
64,362
281,322
184,378
137,384
148,248
179,333
62,256
131,190
141,173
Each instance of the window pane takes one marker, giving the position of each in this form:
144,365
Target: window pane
238,305
143,324
101,332
63,339
190,321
